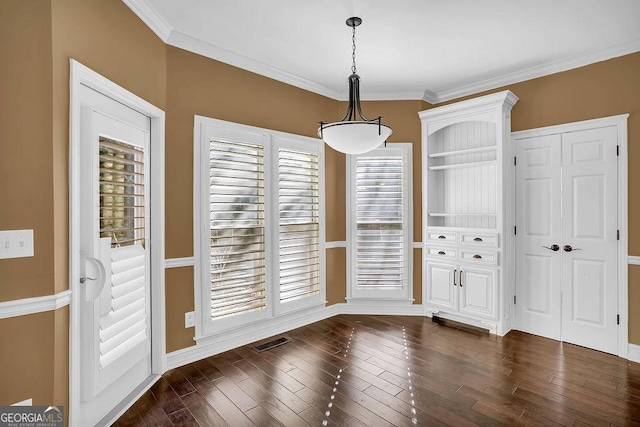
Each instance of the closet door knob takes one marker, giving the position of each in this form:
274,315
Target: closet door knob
568,248
554,248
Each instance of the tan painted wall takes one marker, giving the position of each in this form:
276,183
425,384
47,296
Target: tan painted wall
25,144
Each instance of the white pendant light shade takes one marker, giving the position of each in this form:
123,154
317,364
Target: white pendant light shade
354,137
354,134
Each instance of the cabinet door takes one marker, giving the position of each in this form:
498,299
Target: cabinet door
441,288
477,291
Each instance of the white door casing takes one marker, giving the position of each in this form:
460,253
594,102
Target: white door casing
589,185
117,320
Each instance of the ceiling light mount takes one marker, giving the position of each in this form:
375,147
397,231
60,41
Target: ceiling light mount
354,134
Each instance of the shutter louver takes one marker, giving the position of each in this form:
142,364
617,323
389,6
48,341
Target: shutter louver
125,325
121,192
379,221
238,283
299,227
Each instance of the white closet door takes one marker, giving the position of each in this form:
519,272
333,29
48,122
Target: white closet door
589,227
538,218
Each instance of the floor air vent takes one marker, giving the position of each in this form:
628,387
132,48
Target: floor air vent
271,344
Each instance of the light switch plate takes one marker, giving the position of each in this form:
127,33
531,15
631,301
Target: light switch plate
16,244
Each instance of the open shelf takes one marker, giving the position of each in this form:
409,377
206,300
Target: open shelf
462,165
464,151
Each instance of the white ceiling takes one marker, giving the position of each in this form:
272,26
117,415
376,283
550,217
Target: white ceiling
406,49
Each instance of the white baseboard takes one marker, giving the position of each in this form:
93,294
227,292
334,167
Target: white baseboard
371,308
634,353
27,402
212,345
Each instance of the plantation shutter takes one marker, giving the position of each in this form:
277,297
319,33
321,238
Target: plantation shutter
122,227
299,227
379,217
237,258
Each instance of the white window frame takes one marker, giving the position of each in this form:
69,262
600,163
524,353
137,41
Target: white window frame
206,129
402,296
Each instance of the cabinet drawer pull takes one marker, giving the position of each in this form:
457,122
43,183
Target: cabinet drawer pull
454,277
477,256
442,237
477,239
442,253
460,278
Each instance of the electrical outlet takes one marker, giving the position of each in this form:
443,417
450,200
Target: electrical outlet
189,319
16,244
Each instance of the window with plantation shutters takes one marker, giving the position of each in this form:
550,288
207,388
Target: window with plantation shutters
258,234
237,215
299,225
380,220
379,212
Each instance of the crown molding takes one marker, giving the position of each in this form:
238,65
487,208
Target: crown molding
533,72
192,44
150,17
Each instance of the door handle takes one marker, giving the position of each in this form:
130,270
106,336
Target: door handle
568,248
555,248
454,277
460,275
93,290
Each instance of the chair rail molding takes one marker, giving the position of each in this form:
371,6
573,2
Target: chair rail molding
26,306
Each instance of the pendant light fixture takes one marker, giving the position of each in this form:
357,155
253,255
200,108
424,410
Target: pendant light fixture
354,134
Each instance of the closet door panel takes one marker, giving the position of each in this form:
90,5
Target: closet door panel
589,241
538,216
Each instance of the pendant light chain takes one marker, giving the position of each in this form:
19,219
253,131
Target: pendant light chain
353,52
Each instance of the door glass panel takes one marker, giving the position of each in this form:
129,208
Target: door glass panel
122,193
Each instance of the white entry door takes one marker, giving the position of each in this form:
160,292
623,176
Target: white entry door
115,351
566,214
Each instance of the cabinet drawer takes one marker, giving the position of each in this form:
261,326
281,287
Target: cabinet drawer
479,239
442,236
479,257
444,253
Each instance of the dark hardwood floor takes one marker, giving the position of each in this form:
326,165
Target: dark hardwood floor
401,371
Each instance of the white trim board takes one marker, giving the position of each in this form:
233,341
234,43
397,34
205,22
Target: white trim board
633,355
179,262
634,260
26,306
335,244
215,344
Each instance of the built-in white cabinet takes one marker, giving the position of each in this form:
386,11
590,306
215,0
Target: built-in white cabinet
468,211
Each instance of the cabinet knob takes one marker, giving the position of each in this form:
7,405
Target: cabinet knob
477,256
477,239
